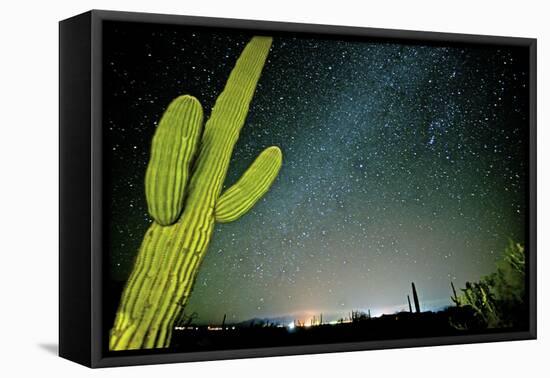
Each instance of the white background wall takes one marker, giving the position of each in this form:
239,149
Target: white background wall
28,186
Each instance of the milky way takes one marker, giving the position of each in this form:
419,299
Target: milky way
402,163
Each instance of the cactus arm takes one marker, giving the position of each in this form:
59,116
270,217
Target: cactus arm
172,152
254,183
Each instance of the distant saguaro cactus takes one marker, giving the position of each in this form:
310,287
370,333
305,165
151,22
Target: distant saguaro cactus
183,185
409,300
455,298
415,298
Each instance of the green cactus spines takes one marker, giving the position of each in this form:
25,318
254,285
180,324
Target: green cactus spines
172,151
185,204
255,182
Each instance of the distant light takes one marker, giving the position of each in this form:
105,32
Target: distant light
291,326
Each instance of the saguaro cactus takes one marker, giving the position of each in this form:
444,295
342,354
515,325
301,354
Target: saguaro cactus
455,298
415,298
183,183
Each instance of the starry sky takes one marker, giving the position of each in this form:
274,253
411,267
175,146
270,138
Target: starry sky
402,162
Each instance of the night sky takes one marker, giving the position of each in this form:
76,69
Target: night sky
401,163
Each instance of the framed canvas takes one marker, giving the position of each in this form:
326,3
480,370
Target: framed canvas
233,188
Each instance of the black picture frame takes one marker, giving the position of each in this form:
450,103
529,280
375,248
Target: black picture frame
82,217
